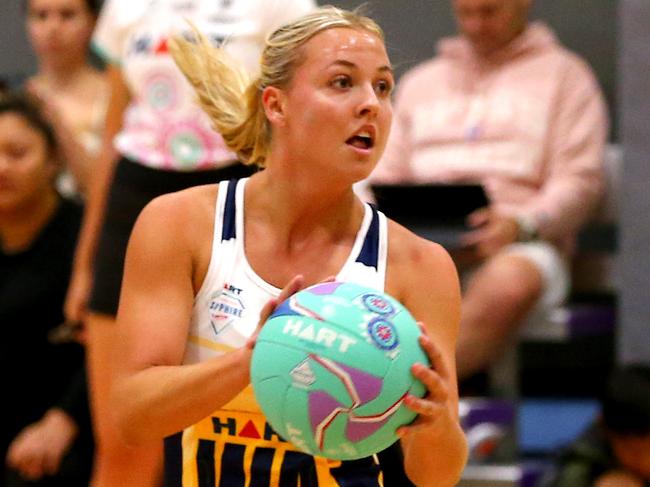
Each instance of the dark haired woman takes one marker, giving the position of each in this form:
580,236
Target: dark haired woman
45,435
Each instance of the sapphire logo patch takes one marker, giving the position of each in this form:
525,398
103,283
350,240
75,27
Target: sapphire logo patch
225,307
378,304
383,333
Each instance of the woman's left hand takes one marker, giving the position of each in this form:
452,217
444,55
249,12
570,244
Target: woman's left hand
436,378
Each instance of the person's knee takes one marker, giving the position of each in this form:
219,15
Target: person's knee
512,279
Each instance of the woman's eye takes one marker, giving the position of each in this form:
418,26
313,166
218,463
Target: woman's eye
38,14
17,153
383,87
341,82
68,14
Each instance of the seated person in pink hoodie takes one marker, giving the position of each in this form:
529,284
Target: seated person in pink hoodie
505,105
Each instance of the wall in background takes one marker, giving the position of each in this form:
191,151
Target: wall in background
412,29
589,28
634,318
16,58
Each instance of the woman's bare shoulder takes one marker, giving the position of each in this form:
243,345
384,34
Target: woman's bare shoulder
185,204
185,215
409,251
419,266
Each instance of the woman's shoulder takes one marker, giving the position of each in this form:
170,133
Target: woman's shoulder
407,248
423,277
185,204
182,215
414,261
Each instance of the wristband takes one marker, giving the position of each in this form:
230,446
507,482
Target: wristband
528,231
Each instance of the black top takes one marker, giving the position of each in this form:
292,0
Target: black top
37,374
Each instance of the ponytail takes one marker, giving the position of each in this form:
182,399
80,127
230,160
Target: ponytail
226,94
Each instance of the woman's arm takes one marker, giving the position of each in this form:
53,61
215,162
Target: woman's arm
425,280
154,395
97,194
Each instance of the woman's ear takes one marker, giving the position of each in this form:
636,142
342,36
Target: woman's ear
273,101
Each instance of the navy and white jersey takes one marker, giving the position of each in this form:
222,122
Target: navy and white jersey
235,446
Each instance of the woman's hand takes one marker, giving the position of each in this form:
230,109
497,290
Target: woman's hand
436,402
294,285
39,448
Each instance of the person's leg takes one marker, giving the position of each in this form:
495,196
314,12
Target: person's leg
116,464
499,295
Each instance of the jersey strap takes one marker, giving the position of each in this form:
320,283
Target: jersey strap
229,213
369,254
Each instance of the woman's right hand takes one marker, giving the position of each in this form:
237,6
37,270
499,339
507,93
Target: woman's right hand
294,285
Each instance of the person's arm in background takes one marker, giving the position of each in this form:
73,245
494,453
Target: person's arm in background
98,190
575,177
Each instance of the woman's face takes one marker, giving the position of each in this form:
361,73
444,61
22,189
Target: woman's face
26,169
59,30
337,108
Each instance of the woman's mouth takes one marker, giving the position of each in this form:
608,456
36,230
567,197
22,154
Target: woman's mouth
362,140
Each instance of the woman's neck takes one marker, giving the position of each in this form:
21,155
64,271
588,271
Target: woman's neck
19,228
63,77
296,203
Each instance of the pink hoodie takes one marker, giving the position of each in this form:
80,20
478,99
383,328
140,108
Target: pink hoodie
529,123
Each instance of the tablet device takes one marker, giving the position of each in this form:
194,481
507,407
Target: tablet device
437,212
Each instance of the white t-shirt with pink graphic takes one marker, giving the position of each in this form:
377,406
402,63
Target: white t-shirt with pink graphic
163,126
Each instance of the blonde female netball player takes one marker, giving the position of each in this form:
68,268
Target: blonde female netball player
317,119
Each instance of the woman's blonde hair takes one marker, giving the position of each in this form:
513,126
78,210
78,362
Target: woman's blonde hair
232,101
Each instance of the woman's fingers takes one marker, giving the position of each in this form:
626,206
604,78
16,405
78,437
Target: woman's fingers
435,377
433,352
294,285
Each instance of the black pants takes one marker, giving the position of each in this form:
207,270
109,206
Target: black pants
135,185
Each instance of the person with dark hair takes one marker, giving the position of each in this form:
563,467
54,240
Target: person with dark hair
45,437
614,451
74,93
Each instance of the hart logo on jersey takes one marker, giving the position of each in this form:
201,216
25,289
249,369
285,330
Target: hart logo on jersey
225,306
378,304
383,333
244,428
319,335
238,448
